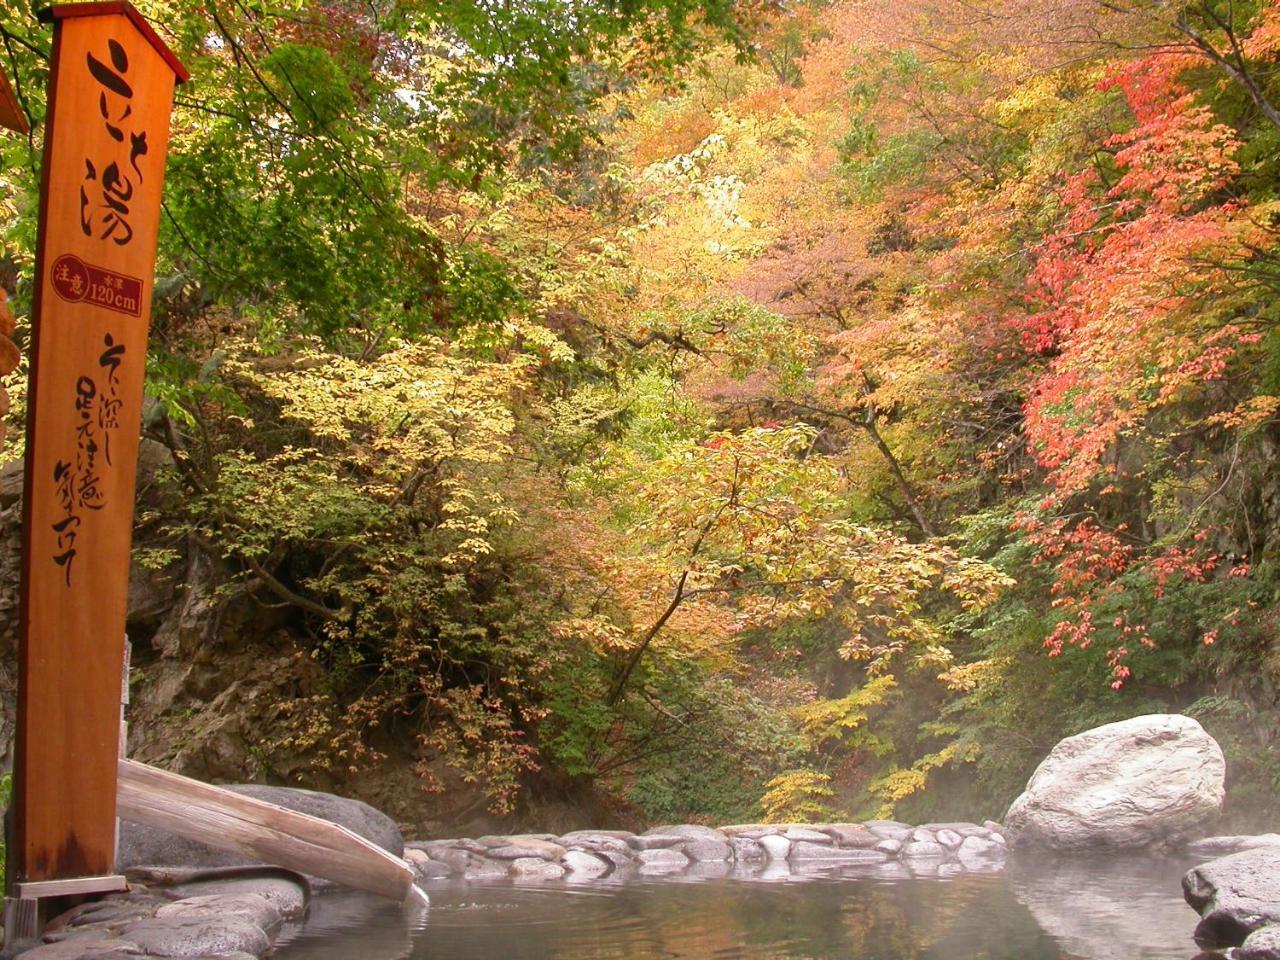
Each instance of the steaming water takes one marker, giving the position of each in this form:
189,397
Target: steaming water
1056,910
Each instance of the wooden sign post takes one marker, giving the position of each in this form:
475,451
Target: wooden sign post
107,134
11,114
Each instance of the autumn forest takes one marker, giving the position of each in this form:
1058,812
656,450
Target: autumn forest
698,410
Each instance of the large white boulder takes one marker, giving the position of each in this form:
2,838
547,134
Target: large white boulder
1146,781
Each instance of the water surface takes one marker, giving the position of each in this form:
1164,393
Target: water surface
1033,911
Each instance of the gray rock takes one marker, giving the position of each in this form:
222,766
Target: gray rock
119,910
432,848
922,850
289,897
1262,944
689,831
775,847
752,831
103,948
890,829
1234,895
803,850
584,865
197,936
621,859
661,860
658,841
1221,846
527,848
251,906
150,846
850,834
949,838
977,852
1137,783
535,868
455,859
425,867
580,837
889,847
598,843
922,835
798,834
746,850
993,826
962,827
482,868
708,851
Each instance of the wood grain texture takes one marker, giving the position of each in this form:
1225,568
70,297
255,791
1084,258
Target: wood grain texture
106,138
11,114
264,831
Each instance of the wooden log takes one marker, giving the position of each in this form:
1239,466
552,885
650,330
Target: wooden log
264,831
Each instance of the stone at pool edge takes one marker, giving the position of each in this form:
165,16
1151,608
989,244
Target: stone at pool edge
251,906
656,841
533,868
105,948
287,896
850,834
1222,846
1234,895
776,847
804,851
1137,783
197,936
584,865
689,831
746,850
799,834
662,860
1262,944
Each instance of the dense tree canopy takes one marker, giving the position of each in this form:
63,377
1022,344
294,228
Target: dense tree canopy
730,410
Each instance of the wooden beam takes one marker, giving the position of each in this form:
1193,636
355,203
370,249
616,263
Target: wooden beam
264,831
11,114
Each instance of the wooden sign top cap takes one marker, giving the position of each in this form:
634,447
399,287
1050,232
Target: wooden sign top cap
11,114
64,11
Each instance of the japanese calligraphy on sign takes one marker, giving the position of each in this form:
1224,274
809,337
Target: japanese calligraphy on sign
111,92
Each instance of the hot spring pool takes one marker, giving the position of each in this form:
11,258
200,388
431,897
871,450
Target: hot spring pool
1059,910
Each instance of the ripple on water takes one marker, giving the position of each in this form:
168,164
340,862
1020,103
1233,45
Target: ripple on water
1026,914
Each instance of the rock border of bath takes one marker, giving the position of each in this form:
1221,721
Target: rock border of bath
232,914
584,855
227,915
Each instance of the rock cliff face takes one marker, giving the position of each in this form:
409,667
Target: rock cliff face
223,689
1149,781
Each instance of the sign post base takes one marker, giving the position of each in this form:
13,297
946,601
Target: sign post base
25,912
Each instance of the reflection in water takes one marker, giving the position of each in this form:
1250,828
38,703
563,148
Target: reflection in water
1073,911
1110,909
